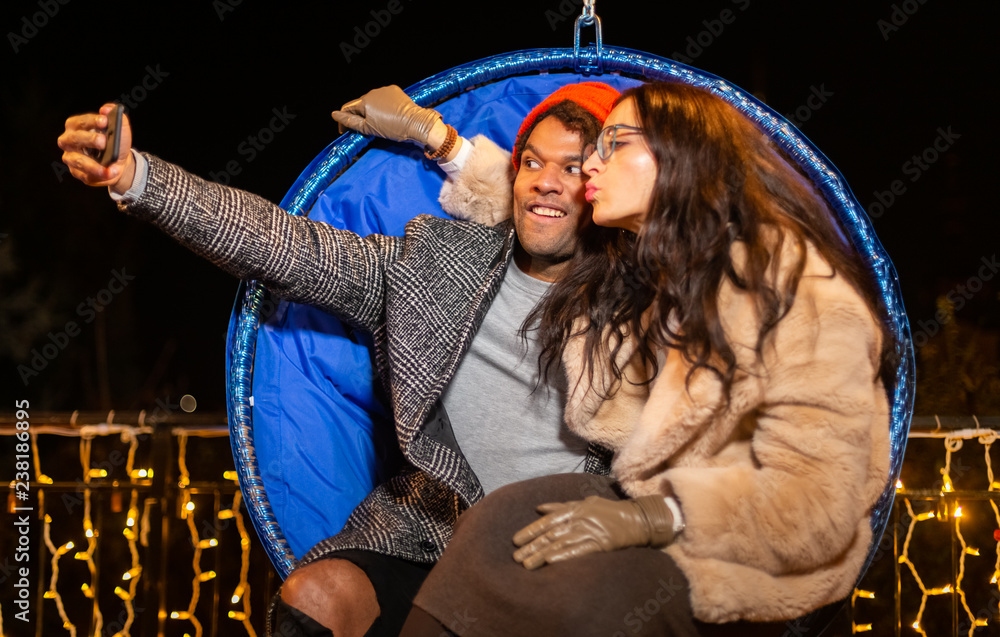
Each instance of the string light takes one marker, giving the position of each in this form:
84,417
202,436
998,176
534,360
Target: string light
83,548
88,525
186,510
950,509
185,478
135,572
83,545
860,628
52,593
242,590
40,477
905,559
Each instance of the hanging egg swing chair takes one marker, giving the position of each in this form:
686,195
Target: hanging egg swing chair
310,433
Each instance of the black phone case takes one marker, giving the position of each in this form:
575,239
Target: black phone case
113,146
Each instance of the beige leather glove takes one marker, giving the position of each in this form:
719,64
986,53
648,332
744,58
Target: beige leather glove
387,112
593,525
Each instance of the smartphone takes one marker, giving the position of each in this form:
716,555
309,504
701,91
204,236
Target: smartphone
113,134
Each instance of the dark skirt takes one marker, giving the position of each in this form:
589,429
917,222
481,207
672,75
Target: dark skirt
478,590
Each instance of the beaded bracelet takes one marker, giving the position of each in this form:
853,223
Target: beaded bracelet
449,142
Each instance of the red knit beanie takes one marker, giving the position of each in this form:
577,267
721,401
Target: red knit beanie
596,97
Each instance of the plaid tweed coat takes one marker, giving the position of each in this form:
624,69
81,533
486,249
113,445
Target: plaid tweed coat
422,296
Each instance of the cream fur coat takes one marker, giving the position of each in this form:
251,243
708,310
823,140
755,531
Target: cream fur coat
776,488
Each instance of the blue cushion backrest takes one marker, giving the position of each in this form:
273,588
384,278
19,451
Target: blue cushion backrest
322,434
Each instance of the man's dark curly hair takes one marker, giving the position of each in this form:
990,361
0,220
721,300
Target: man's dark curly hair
573,116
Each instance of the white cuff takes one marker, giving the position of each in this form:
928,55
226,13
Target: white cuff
675,509
455,166
138,180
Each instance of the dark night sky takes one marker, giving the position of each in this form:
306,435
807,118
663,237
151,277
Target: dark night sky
889,94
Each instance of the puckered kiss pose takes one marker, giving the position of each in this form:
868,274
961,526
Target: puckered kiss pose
735,358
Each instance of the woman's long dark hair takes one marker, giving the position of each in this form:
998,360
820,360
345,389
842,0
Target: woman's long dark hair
719,180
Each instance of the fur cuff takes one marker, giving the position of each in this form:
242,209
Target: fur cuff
482,191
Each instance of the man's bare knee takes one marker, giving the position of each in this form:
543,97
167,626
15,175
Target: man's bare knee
335,593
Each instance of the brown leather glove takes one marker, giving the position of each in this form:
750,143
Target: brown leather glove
387,112
595,524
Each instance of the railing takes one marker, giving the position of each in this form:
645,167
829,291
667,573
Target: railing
127,525
943,538
134,525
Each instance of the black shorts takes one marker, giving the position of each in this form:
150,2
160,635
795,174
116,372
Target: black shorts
396,583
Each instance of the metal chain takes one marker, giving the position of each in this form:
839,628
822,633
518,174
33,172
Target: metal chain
587,64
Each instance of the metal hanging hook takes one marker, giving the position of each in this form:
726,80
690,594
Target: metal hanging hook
591,62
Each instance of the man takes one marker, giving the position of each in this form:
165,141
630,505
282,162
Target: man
441,335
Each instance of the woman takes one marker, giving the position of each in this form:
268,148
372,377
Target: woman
734,358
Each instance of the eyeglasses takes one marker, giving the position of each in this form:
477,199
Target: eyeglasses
608,137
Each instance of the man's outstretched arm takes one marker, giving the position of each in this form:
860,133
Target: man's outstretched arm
298,259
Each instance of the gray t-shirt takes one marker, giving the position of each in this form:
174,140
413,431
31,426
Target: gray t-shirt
507,428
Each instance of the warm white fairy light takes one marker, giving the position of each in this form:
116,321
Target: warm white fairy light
88,526
135,525
186,510
242,591
860,628
53,592
950,509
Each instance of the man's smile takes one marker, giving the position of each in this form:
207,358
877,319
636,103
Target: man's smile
544,210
